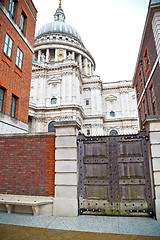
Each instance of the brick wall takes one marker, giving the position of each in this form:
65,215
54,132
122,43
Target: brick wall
14,80
149,45
27,165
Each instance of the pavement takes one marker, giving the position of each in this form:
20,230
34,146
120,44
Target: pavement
42,227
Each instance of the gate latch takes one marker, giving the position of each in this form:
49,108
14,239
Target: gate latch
81,210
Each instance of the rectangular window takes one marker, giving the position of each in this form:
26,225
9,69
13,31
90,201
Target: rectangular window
12,8
146,59
22,23
153,101
8,46
13,106
87,102
144,108
140,78
19,58
1,99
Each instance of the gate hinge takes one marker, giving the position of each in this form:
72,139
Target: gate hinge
150,212
82,210
136,137
87,140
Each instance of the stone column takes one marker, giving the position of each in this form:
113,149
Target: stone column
73,55
66,169
65,54
74,88
80,62
56,55
70,83
98,100
86,66
39,56
93,103
89,70
92,69
77,89
153,128
63,88
47,55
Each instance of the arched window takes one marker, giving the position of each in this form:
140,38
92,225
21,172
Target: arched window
112,114
54,101
51,127
113,133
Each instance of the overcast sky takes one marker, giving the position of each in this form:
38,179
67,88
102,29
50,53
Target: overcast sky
110,30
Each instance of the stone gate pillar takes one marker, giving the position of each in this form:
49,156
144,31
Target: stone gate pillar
66,169
153,128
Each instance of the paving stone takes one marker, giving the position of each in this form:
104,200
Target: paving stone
50,227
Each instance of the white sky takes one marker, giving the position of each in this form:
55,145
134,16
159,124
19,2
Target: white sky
110,30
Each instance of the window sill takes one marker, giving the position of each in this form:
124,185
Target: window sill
18,71
6,59
4,85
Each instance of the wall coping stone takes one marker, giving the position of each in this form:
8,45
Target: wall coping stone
67,124
154,118
14,135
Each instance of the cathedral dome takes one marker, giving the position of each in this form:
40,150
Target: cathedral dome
59,27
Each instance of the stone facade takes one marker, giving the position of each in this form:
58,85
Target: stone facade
153,128
66,169
64,86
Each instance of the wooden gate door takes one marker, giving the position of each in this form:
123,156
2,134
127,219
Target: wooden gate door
114,176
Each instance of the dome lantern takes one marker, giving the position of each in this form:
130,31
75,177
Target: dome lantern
59,15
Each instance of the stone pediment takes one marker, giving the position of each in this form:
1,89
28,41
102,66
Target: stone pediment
54,80
111,98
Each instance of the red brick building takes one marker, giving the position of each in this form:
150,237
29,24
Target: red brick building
147,73
17,30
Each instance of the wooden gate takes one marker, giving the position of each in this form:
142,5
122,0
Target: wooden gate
114,176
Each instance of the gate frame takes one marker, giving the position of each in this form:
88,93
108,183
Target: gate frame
139,136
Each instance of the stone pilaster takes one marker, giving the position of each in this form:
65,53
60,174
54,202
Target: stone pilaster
66,169
153,128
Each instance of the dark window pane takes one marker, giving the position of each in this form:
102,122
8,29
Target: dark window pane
51,127
112,114
1,99
54,101
113,133
22,23
153,101
87,102
12,8
8,46
19,58
13,106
